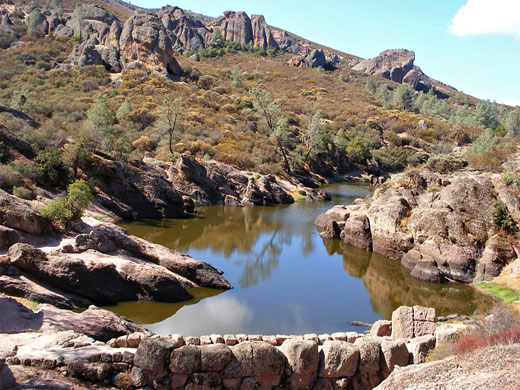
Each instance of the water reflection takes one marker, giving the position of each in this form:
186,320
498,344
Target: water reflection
391,285
287,279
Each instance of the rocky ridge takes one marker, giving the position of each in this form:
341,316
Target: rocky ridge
149,39
439,226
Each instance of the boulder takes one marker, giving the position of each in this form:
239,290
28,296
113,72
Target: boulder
357,232
214,357
339,359
316,59
153,353
241,364
97,278
390,64
498,253
419,348
18,214
185,360
336,213
94,322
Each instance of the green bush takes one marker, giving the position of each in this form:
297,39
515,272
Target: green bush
23,193
60,212
9,178
358,150
501,216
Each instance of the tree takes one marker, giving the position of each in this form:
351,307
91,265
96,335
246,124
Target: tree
23,100
383,94
34,23
513,123
484,142
99,123
172,111
124,110
236,76
370,85
313,136
403,98
62,211
486,115
276,123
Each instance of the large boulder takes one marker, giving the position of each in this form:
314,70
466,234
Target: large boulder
339,359
144,40
136,190
19,214
101,279
303,360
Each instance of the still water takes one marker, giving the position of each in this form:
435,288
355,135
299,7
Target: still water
287,279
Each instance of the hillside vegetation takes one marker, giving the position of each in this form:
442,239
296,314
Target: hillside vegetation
323,122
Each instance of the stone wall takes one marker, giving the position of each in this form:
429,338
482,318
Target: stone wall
339,361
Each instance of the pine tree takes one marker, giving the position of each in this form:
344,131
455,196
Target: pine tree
370,85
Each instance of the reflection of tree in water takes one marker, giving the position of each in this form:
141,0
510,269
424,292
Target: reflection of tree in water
259,266
391,286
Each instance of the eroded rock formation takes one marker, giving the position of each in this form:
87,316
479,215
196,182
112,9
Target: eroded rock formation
438,226
397,65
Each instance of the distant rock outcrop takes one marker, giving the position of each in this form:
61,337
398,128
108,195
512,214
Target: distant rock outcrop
262,35
144,40
397,65
185,31
235,27
311,58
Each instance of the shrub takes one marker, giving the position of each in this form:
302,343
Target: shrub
63,211
446,163
501,216
470,343
9,178
23,193
358,150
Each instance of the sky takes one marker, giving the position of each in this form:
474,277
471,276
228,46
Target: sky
472,45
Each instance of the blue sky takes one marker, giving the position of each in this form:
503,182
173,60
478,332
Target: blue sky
473,45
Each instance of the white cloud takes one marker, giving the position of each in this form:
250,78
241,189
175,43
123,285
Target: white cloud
479,17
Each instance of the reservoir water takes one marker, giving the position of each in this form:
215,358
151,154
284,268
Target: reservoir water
286,278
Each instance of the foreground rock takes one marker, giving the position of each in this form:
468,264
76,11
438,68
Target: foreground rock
94,322
103,265
488,368
439,226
